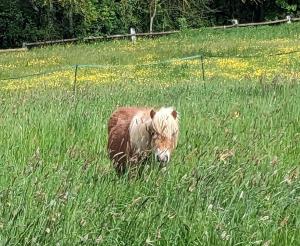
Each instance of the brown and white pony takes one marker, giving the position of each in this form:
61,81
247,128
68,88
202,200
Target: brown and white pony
136,132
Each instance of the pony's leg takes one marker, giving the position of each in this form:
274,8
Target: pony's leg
120,169
119,163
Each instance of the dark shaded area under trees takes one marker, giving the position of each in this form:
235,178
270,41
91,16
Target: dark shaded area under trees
36,20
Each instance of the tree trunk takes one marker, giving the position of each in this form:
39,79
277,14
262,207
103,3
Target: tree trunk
71,21
50,20
152,15
50,15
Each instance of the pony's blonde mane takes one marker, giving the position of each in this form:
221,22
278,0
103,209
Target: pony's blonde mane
164,123
138,130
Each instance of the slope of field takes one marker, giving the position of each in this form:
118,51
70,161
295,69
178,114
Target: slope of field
233,180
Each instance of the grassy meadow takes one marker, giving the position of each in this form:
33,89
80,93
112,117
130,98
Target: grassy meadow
233,180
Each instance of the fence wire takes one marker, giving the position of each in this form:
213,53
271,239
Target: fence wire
102,66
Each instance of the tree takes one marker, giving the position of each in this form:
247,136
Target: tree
152,12
33,20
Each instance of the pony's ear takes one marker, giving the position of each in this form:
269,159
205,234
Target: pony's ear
152,113
174,114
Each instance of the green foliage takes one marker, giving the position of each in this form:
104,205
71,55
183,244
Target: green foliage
16,24
32,20
182,22
107,17
286,5
128,15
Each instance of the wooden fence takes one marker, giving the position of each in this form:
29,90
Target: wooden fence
90,39
27,46
236,24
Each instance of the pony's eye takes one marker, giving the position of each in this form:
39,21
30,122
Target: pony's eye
149,130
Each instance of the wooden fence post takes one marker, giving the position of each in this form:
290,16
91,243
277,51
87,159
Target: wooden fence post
75,80
202,67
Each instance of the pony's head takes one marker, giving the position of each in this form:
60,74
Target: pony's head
164,130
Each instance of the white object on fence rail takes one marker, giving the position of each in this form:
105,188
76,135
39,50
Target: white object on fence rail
235,22
133,37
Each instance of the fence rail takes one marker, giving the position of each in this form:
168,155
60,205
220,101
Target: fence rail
89,39
13,50
256,24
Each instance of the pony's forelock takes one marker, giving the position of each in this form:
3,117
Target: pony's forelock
164,123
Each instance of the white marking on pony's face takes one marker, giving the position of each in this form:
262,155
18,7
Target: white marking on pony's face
164,128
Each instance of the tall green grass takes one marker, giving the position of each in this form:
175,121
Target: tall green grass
233,180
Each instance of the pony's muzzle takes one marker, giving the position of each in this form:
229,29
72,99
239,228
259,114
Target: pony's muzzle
163,156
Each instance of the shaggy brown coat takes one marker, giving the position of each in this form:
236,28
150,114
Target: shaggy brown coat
119,148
